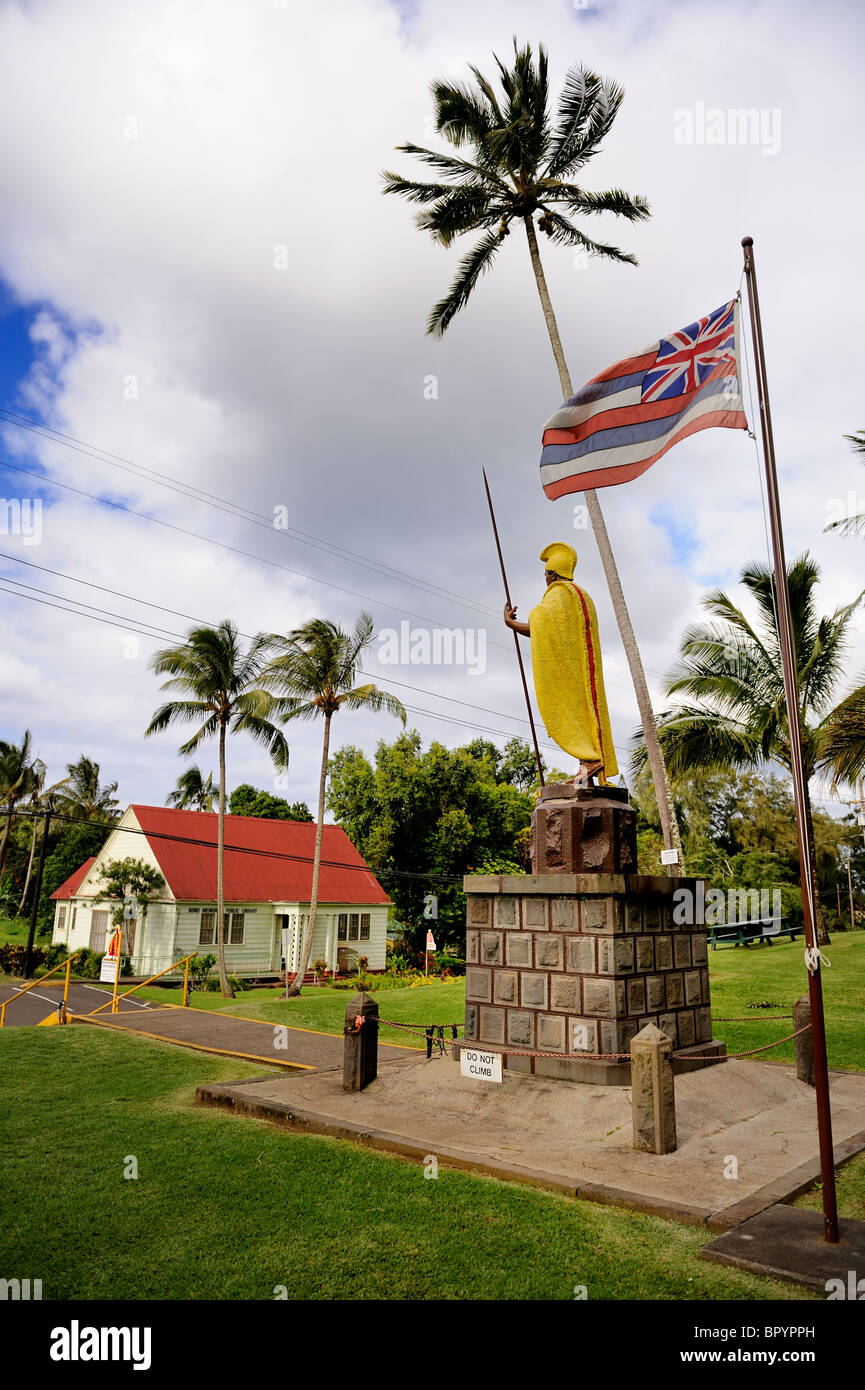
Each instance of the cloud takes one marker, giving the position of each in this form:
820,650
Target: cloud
221,295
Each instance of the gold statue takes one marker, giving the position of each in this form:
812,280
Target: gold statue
566,663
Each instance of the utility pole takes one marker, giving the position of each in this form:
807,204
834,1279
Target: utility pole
37,890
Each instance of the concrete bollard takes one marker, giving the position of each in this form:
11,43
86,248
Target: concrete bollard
805,1041
360,1050
653,1096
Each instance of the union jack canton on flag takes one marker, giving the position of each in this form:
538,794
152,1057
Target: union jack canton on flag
623,420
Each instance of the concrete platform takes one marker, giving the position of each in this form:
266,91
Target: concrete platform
577,1138
787,1243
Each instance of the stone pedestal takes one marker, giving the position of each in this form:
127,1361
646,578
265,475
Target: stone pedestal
571,963
586,830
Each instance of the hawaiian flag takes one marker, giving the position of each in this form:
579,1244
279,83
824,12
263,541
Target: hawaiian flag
622,421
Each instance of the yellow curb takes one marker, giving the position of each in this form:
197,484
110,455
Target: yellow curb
197,1047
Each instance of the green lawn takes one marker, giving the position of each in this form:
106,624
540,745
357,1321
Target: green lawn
15,930
228,1207
777,975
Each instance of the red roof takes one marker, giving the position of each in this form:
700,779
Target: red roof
265,860
74,881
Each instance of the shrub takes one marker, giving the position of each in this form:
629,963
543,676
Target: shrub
12,958
199,969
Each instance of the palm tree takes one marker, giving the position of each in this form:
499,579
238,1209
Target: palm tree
521,164
225,696
16,781
733,672
851,525
38,772
86,795
193,789
315,675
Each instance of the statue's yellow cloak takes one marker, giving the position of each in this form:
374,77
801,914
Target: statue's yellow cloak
569,683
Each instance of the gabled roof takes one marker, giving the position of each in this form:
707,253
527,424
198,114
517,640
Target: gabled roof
265,860
74,881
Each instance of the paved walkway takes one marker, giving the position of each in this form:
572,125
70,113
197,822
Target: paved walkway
275,1044
296,1049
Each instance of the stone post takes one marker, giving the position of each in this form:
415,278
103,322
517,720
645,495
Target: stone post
360,1050
805,1041
653,1097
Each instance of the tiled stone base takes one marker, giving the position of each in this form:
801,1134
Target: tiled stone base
579,963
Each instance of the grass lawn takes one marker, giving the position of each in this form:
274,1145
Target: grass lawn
15,929
228,1207
776,974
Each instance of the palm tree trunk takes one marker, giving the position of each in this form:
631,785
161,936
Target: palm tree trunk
20,908
669,824
297,983
821,931
227,991
4,843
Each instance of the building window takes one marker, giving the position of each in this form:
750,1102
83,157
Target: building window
353,922
61,918
364,926
98,930
343,926
205,933
236,928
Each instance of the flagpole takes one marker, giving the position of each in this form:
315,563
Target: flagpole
516,638
800,785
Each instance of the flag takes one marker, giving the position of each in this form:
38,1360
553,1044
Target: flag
622,421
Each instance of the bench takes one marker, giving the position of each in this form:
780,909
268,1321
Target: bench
746,933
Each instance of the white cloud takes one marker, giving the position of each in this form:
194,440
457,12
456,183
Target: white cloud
156,160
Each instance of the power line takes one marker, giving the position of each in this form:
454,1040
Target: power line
132,598
161,635
231,508
222,545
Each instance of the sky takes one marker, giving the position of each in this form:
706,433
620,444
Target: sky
203,289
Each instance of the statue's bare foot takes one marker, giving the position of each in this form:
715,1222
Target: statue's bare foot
587,772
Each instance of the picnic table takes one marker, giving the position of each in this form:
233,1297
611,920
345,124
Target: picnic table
764,930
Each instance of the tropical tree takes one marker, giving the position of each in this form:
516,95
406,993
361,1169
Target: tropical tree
17,780
40,801
852,525
224,694
314,674
521,165
193,789
85,795
732,671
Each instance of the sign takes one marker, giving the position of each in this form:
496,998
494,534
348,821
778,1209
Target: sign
109,969
480,1066
669,856
130,909
430,942
431,907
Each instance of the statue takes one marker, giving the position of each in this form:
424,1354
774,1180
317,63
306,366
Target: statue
566,663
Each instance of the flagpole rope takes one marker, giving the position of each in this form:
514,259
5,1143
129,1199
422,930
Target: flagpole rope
760,478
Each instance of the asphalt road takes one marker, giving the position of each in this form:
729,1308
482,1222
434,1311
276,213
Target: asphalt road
42,1000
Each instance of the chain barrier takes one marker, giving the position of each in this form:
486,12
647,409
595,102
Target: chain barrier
626,1056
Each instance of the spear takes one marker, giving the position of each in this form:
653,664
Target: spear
516,637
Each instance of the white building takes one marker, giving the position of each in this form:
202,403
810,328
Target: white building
267,884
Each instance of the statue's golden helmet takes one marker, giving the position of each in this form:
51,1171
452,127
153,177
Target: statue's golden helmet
561,558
